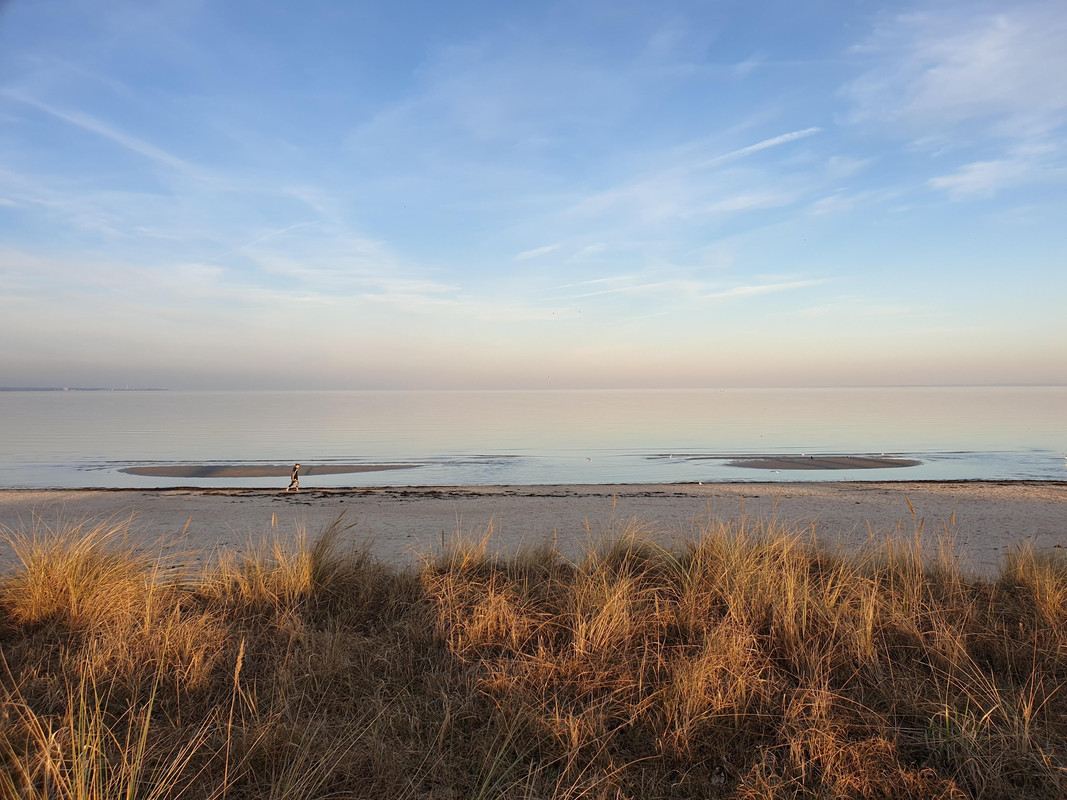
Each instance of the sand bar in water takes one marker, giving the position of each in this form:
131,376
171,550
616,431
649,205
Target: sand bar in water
823,462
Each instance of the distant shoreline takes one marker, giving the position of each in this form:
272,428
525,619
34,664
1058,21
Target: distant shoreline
78,389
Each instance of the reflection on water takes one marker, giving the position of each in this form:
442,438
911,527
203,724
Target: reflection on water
68,439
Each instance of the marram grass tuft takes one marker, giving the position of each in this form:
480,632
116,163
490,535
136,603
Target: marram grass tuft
748,661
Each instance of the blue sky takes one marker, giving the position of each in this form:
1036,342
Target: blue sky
581,194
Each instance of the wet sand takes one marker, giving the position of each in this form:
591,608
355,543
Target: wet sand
255,470
985,518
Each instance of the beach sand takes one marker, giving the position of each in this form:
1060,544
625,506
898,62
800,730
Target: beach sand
400,523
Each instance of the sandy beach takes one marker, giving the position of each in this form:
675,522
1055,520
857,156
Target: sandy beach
400,523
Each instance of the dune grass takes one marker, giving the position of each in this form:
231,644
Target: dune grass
750,662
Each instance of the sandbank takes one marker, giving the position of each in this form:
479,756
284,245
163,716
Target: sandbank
985,519
822,462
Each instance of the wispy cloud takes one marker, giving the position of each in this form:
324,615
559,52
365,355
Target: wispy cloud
744,68
987,91
271,235
986,178
590,250
682,287
753,290
983,178
676,287
347,267
597,281
536,252
843,201
1003,74
689,191
184,285
840,167
750,201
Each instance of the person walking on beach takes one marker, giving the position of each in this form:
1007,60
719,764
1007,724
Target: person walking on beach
294,482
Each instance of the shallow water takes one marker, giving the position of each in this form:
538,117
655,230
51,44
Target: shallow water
83,439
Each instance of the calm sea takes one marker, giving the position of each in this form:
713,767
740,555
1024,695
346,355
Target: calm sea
83,439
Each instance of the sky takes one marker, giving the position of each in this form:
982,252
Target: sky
583,194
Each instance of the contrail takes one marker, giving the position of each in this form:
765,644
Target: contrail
269,235
755,148
93,125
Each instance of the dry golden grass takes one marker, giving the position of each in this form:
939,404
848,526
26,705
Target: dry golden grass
750,662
